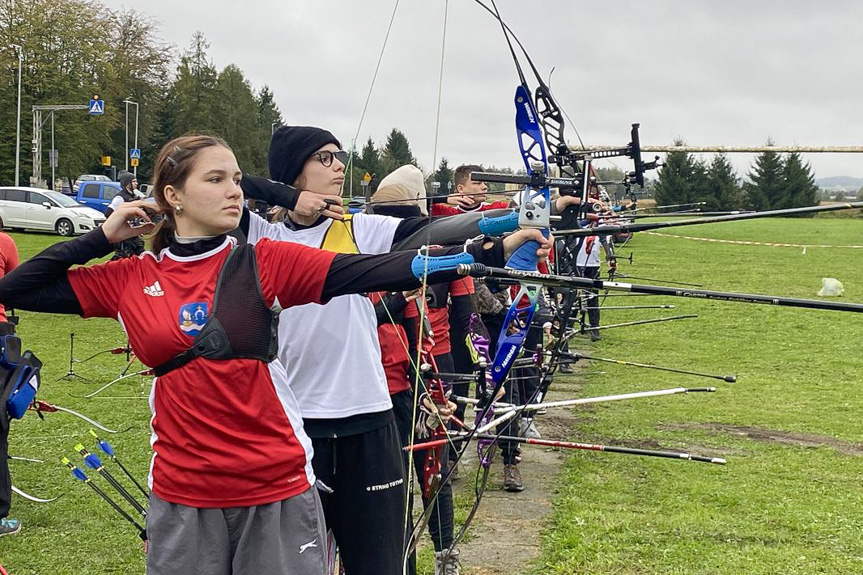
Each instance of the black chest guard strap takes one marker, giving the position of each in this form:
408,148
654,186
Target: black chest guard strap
241,325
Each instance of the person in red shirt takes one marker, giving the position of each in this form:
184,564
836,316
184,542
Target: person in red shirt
232,485
400,195
8,261
469,196
8,525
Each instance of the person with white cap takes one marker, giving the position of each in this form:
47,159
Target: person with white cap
401,194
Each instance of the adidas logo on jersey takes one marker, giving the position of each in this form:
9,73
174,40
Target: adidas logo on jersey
154,290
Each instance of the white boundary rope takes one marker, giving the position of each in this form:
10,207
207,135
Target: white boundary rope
753,243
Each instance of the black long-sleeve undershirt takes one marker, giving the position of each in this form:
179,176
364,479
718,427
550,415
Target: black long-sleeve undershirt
41,283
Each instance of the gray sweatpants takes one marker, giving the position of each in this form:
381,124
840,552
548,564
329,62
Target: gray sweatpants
283,538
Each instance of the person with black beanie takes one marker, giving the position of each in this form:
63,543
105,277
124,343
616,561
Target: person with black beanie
333,357
132,246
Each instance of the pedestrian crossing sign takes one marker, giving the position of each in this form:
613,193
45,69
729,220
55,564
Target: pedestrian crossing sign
97,107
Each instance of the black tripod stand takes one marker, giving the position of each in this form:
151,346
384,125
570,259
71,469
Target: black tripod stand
71,373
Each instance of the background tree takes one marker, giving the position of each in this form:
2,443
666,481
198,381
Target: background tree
723,187
139,64
193,95
396,152
237,112
800,187
767,181
682,179
444,176
68,50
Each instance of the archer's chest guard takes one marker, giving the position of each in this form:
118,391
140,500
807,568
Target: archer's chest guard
241,326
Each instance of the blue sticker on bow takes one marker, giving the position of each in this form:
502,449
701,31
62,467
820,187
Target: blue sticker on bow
193,316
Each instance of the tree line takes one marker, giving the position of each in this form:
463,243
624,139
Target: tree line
75,49
775,181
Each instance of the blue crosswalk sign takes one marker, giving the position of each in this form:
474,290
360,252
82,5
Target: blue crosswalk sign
97,107
135,154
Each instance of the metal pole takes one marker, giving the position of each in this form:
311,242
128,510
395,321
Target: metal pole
137,108
53,152
20,51
127,134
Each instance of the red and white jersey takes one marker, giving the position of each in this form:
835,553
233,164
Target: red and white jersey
443,209
225,433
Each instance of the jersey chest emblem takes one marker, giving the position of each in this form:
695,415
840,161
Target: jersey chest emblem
193,316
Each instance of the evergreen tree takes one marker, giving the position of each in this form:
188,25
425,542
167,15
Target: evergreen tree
444,176
369,162
139,65
800,188
237,112
722,185
767,181
194,91
860,194
682,179
396,153
269,115
269,120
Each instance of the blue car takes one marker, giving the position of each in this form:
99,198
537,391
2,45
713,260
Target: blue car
97,195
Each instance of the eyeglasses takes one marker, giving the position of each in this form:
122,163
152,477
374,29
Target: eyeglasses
326,157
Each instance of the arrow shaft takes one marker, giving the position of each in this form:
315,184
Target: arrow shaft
124,493
578,356
594,447
639,322
478,270
116,507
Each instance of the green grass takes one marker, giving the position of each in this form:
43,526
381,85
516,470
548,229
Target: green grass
78,533
776,507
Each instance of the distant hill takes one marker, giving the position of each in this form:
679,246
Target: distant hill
839,181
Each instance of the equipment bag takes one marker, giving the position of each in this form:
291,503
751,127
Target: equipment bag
23,383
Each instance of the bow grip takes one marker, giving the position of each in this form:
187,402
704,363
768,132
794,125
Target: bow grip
499,225
525,258
421,264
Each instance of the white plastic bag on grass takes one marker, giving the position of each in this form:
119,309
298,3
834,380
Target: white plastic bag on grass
831,287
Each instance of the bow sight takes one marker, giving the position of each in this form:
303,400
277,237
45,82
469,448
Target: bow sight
568,161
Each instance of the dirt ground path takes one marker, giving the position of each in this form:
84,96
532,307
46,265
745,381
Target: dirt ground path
505,536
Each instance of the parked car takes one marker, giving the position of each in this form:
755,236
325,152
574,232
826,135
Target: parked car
97,194
38,209
88,178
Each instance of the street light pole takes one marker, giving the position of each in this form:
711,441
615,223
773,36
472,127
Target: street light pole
128,101
137,109
20,50
127,134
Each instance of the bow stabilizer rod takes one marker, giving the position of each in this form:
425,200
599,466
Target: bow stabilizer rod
482,271
628,228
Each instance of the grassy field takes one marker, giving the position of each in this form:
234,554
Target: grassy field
789,506
790,499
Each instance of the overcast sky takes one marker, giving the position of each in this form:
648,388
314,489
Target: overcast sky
733,72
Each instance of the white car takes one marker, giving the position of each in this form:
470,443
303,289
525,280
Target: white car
38,209
89,178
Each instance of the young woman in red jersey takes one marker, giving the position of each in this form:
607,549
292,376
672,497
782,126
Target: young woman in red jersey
231,479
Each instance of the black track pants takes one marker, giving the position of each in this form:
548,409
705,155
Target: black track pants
366,509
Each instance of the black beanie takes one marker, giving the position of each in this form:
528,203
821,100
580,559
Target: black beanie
125,180
291,146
